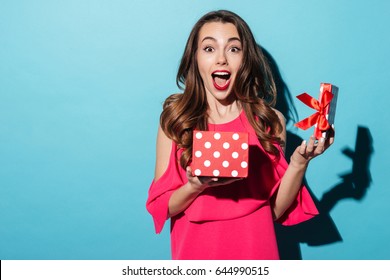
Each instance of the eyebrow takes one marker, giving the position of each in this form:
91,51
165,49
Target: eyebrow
213,39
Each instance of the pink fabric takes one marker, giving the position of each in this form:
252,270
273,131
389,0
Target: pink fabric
232,221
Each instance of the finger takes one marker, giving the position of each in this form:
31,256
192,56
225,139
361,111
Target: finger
331,140
310,145
302,148
332,133
213,182
320,147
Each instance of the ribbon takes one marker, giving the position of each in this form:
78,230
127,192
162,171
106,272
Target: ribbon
319,117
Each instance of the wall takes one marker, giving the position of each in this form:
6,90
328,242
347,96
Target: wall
81,89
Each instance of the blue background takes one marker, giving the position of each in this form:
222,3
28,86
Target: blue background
81,89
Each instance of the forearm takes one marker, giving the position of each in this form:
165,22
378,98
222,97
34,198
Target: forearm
182,198
292,179
289,187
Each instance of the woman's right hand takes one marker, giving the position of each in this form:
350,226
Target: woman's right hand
184,196
201,183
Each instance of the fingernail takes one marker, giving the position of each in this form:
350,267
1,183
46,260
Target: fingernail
304,142
322,139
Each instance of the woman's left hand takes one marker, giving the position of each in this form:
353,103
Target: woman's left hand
307,151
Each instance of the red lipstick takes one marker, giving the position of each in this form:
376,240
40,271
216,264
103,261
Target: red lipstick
221,79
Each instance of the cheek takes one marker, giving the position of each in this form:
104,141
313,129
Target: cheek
203,70
199,63
237,62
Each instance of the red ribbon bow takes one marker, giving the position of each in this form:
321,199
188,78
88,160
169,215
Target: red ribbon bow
319,117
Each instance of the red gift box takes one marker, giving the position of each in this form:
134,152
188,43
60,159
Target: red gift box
326,110
220,154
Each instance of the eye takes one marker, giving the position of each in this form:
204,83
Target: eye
235,49
208,49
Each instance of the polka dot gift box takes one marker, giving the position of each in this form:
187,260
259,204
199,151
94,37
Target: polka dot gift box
220,154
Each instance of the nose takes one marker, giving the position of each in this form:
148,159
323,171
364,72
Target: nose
221,58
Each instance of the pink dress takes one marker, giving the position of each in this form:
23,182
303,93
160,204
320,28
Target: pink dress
233,221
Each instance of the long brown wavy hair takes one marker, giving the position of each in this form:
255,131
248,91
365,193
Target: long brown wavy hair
254,88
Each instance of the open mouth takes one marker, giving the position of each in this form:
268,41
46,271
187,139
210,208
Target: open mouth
221,79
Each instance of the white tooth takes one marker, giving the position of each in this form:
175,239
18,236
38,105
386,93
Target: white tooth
221,73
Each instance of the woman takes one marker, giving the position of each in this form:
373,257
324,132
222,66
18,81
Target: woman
228,86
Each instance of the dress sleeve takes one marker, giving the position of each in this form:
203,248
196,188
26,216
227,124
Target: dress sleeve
161,190
301,210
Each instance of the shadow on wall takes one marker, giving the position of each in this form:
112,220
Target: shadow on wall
321,230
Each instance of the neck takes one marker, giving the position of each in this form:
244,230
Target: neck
220,113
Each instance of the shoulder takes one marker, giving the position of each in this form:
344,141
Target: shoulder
282,121
163,152
280,116
172,99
